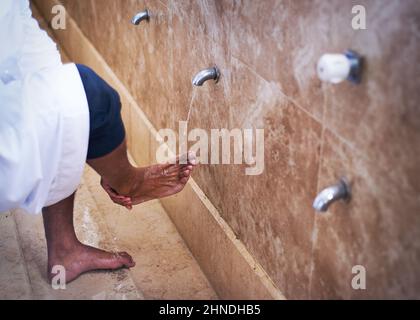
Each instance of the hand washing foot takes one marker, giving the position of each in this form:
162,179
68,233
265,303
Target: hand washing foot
154,182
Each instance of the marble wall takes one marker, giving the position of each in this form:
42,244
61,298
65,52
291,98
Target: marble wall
315,133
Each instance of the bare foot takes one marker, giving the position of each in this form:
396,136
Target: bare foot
157,181
82,258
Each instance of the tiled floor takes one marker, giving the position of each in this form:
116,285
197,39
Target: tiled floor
165,268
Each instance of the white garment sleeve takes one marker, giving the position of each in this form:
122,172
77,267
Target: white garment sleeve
15,143
18,146
44,116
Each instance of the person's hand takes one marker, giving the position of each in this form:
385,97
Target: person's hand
115,197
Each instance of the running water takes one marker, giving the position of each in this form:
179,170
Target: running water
191,103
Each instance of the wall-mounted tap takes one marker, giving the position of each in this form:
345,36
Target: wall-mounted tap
340,191
139,17
206,74
335,68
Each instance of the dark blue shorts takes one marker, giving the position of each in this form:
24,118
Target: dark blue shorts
106,126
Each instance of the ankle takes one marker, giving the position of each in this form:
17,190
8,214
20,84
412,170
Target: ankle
63,248
128,183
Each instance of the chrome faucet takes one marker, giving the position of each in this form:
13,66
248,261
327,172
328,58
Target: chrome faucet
206,74
340,191
139,17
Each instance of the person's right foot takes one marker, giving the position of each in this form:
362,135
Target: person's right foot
81,258
154,182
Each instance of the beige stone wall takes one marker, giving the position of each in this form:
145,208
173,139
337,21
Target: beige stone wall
315,133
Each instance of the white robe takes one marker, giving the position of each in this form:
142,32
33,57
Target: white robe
44,115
